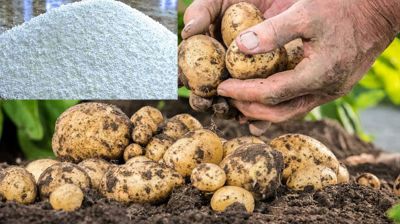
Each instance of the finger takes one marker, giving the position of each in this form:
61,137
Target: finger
278,7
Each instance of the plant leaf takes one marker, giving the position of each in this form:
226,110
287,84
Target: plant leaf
394,213
369,99
33,150
1,121
183,92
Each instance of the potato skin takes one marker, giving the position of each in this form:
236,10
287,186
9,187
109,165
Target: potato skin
316,176
396,186
17,184
343,176
369,180
233,144
91,130
208,177
37,167
199,104
201,62
138,159
133,150
95,168
179,125
157,146
145,124
226,196
295,53
67,197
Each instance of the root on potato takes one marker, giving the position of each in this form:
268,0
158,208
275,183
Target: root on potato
67,197
17,184
228,195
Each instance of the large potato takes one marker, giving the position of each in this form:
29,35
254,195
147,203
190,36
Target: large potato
255,167
200,146
228,195
17,184
316,176
181,124
145,124
37,167
91,130
95,168
232,144
208,177
201,61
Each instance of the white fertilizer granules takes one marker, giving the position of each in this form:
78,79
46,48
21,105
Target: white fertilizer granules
95,49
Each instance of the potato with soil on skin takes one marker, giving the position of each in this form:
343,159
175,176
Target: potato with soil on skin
316,176
255,167
179,125
201,62
228,195
95,168
67,197
301,151
369,180
145,124
133,150
238,18
60,174
138,159
17,184
37,167
91,130
157,146
233,144
396,186
140,182
343,176
199,104
200,146
295,53
208,177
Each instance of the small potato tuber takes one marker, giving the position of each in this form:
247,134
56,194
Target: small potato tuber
95,168
198,103
157,146
369,180
343,176
396,186
67,197
145,124
317,177
17,184
208,177
179,125
258,128
37,167
133,150
295,53
228,195
233,144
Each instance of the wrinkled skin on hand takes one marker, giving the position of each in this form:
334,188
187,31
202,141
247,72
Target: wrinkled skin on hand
342,38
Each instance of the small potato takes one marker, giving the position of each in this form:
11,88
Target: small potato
238,18
396,186
60,174
200,146
133,150
91,130
255,167
95,168
157,146
295,53
181,124
37,167
199,104
67,197
315,176
343,176
201,61
17,184
208,177
369,180
228,195
233,144
145,124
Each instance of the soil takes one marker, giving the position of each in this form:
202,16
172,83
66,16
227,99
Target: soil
336,204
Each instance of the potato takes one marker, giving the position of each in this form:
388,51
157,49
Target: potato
145,124
95,168
181,124
369,180
201,62
255,167
157,146
228,195
343,176
231,145
396,186
208,177
242,66
316,176
133,150
91,130
139,182
17,184
238,18
199,104
37,167
138,159
295,53
67,197
301,151
60,174
200,146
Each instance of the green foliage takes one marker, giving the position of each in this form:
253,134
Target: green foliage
183,92
394,213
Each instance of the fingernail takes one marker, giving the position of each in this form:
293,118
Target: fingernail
249,40
188,26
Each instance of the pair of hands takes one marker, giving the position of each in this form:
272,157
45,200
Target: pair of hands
342,38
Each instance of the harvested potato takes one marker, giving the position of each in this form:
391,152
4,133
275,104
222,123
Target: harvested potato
198,103
157,146
258,128
396,186
208,177
238,18
37,167
133,150
91,130
181,124
201,61
139,182
369,180
233,144
95,168
228,195
316,176
60,174
145,124
200,146
295,53
242,66
255,167
67,197
343,175
301,151
17,184
138,159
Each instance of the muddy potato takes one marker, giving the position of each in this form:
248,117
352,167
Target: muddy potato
37,167
316,176
91,130
396,186
255,167
17,184
95,168
343,175
233,144
181,124
138,159
295,53
139,182
198,103
201,62
369,180
145,124
157,146
200,146
228,195
238,18
67,197
60,174
301,151
133,150
208,177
